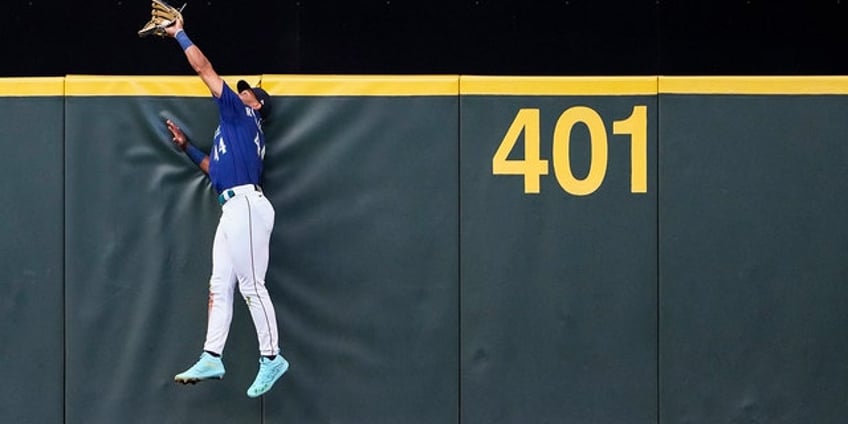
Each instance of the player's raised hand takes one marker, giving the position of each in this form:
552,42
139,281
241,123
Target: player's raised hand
163,16
179,137
177,25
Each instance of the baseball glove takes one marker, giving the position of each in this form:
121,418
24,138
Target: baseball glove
163,15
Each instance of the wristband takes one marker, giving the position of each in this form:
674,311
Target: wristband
183,39
195,154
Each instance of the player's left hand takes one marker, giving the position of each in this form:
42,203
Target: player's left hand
176,26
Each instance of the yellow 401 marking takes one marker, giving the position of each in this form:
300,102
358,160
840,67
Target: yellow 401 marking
532,167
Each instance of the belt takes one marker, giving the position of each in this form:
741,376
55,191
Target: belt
235,191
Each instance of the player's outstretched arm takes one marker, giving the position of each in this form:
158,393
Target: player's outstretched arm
180,139
197,59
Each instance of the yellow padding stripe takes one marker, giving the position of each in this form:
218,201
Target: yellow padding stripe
32,87
277,85
179,86
558,86
435,85
808,85
361,85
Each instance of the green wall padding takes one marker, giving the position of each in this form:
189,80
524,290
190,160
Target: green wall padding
558,291
31,307
416,284
753,259
365,256
363,269
140,221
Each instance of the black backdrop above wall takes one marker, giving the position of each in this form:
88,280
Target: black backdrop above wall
508,37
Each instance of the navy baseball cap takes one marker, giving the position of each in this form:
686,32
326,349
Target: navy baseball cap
261,95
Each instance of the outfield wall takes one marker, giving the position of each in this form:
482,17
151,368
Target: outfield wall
447,249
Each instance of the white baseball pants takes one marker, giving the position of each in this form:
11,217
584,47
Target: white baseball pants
240,256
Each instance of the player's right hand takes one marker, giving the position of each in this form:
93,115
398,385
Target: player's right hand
179,137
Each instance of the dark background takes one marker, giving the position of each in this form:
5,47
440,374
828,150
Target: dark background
486,37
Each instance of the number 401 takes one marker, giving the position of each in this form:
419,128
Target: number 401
532,167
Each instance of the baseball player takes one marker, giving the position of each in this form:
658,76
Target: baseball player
240,248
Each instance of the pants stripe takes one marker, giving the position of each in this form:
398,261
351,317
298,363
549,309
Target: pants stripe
255,284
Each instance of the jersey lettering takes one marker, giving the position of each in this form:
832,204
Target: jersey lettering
222,147
260,150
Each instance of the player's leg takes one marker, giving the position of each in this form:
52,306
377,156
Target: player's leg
220,310
249,250
222,286
250,264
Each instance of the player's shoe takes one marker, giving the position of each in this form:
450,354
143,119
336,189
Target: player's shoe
270,370
207,367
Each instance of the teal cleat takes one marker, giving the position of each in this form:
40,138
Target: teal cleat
270,370
207,367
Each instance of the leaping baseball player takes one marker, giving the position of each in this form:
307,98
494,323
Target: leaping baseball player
240,247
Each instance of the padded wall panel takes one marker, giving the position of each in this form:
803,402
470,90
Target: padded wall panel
140,221
558,317
366,254
31,321
754,257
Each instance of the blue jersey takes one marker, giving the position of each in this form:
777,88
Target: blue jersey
239,145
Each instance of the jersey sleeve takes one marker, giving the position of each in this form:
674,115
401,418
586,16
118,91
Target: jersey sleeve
229,104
